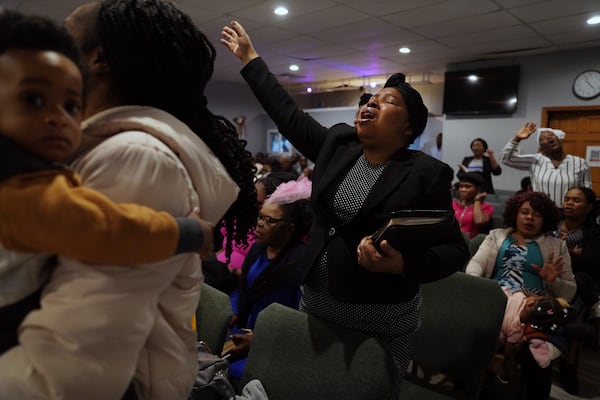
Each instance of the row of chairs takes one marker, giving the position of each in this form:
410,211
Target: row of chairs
298,356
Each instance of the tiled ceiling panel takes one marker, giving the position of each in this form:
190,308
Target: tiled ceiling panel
343,39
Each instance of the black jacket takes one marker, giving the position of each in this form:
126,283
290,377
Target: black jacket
487,173
411,180
287,270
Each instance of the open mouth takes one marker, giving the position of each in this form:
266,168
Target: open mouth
366,116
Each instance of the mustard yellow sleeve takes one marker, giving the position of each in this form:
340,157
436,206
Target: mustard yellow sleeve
50,212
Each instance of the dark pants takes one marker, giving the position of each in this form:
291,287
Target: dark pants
537,380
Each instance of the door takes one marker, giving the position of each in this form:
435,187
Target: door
582,126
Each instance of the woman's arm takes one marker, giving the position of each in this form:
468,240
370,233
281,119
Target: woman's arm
303,131
495,167
482,262
510,153
563,284
481,212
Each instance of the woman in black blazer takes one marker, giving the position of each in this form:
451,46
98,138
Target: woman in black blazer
487,165
361,175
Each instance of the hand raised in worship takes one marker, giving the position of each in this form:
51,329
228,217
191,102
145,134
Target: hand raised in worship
527,130
235,38
551,269
389,260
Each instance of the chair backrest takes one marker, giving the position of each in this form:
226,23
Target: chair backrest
213,317
475,242
461,320
298,356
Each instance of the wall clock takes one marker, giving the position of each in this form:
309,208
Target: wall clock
586,85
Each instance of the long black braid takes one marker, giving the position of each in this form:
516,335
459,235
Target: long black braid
157,57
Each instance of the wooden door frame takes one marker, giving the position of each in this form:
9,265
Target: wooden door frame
548,110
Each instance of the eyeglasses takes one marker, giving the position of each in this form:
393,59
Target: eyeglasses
269,220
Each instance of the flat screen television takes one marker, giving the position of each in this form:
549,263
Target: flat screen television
481,91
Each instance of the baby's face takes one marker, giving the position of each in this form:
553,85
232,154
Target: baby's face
40,102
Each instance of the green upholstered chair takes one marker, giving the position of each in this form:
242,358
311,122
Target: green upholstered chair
213,317
461,321
475,242
299,357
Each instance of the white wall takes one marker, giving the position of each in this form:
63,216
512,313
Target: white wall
545,81
234,99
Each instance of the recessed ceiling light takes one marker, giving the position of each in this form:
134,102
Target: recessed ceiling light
294,67
308,90
280,11
594,20
404,50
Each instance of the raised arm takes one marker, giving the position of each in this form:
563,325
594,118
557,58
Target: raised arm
510,153
305,133
496,169
49,212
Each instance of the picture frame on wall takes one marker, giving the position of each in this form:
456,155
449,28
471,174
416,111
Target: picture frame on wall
277,143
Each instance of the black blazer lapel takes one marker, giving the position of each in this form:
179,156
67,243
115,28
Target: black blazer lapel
335,164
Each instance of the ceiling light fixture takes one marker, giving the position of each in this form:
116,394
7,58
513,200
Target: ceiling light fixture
594,20
294,67
308,90
404,50
280,11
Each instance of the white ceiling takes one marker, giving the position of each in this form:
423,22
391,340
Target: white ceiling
355,42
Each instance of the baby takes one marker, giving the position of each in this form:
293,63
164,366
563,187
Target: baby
531,319
44,207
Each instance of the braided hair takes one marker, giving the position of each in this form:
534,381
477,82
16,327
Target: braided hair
158,58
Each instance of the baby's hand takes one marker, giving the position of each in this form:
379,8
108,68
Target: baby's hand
207,234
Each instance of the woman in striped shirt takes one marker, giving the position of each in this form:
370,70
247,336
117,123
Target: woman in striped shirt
552,170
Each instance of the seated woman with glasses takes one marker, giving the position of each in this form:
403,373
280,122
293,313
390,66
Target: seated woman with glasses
272,271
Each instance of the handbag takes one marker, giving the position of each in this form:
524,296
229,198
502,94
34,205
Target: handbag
212,377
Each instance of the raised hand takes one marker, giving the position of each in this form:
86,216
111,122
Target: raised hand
551,269
235,38
480,196
526,131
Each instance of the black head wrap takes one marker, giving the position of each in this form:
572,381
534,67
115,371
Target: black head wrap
364,99
417,112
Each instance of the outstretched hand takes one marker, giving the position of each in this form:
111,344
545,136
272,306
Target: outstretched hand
551,269
388,260
526,131
235,38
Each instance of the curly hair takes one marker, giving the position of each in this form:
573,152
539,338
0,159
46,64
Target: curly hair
18,31
301,215
159,58
540,202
